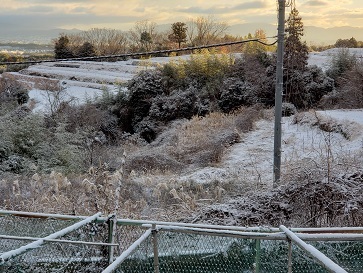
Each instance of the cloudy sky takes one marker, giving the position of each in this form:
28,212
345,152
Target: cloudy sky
122,14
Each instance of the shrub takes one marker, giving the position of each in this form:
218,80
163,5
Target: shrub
180,104
205,67
143,88
288,109
306,88
12,90
236,93
340,63
349,93
27,135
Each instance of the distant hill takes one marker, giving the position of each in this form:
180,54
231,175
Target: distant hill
32,36
313,35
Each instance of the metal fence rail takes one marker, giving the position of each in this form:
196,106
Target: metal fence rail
36,242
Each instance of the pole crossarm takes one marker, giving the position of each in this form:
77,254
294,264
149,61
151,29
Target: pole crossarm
313,252
38,243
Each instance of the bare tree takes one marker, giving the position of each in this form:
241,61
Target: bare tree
142,30
106,41
205,30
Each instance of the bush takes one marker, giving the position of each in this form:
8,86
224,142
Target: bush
236,93
306,88
204,69
340,63
349,93
259,71
288,109
180,104
12,90
143,88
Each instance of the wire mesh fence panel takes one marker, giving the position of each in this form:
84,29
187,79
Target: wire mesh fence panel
140,260
181,252
58,257
271,256
195,253
86,248
348,255
126,235
303,263
66,256
10,244
32,227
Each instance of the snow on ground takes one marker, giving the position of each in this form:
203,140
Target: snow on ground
345,115
76,95
323,59
250,160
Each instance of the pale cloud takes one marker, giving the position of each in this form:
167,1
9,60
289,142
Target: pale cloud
223,9
37,9
316,3
124,13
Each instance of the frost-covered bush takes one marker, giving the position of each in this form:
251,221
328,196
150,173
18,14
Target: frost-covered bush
28,134
12,90
341,62
13,163
179,104
30,142
259,71
143,88
348,93
288,109
304,89
236,93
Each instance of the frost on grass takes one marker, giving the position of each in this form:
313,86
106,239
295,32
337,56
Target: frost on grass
324,121
307,203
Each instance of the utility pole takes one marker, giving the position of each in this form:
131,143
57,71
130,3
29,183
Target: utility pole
278,93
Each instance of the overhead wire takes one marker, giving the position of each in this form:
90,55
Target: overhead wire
139,54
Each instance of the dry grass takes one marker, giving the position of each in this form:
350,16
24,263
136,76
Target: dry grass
202,141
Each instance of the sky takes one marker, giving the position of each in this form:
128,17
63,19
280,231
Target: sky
122,14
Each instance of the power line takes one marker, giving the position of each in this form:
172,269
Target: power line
139,54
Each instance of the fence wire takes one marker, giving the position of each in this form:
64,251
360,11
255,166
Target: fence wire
184,253
71,256
177,252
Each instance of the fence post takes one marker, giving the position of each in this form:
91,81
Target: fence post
289,257
154,233
258,255
111,236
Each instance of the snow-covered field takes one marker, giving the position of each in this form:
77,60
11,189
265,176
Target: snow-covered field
88,79
252,158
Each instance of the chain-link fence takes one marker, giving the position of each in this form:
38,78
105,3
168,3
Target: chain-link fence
52,245
92,244
187,250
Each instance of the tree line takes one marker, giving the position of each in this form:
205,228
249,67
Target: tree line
144,36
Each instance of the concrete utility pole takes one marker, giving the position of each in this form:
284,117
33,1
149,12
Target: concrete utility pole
278,93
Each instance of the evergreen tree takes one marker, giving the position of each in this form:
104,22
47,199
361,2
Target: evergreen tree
304,85
86,50
62,49
146,39
179,34
296,51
